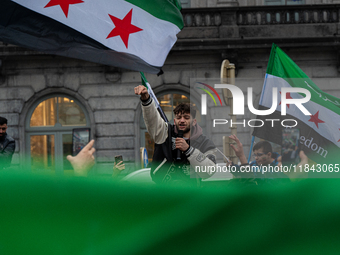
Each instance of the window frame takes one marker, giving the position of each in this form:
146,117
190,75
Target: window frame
57,130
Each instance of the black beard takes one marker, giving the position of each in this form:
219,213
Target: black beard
185,130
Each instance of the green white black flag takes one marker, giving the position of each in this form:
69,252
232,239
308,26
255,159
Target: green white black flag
132,34
320,131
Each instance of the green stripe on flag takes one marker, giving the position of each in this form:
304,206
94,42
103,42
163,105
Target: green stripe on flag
280,65
168,10
144,81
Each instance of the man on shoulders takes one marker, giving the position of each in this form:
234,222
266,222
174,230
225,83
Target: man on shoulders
7,145
175,158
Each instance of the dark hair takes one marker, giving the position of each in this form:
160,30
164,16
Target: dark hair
266,146
186,108
3,121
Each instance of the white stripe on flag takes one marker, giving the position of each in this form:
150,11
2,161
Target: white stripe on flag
92,19
329,129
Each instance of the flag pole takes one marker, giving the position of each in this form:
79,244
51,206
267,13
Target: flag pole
148,86
271,56
251,147
261,98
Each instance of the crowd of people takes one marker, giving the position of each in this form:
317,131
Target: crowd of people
179,148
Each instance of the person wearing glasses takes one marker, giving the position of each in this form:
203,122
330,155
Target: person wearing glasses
7,145
261,169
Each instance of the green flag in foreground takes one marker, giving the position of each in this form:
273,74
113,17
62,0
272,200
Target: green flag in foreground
319,132
44,215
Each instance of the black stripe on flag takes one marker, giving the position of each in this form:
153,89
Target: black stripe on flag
315,146
26,28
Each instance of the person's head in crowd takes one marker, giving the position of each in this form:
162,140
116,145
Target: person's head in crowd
263,153
185,117
3,126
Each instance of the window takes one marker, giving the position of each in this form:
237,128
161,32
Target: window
168,103
58,110
49,133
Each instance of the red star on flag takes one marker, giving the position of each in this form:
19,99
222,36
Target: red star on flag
315,118
123,28
288,96
64,4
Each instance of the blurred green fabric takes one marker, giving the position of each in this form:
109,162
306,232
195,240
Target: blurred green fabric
54,215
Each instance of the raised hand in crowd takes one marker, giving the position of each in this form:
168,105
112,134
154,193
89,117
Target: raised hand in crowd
304,159
84,161
302,163
238,149
142,91
117,168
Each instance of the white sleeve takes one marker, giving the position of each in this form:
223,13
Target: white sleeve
197,158
156,126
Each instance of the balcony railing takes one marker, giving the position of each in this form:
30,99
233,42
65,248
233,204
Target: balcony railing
202,18
300,15
262,15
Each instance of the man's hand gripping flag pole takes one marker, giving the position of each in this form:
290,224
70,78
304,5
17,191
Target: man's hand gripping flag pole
148,86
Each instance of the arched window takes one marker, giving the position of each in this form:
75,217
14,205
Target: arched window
49,132
168,101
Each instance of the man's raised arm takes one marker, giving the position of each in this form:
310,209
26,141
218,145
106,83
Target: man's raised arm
156,126
238,149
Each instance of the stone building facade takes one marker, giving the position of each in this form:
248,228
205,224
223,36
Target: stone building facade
214,31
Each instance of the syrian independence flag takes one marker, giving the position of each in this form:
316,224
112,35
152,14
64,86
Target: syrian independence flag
132,34
320,131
